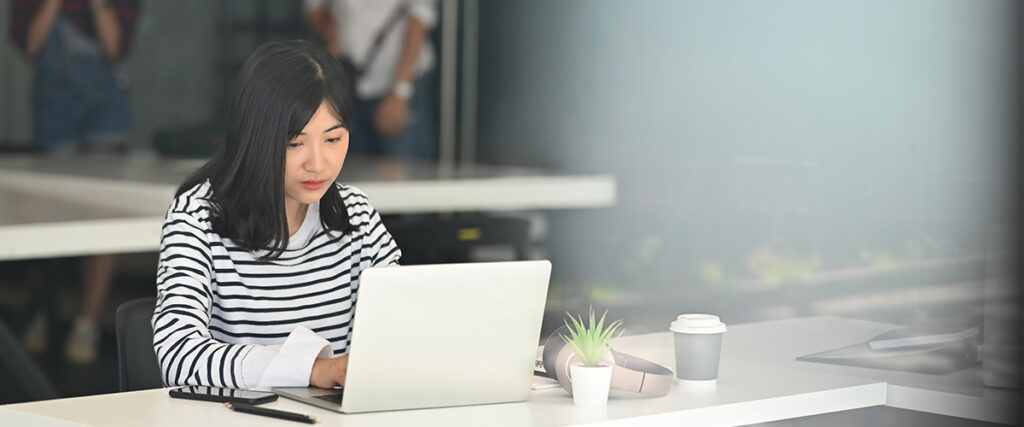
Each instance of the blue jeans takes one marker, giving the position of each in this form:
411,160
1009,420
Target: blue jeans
418,139
77,98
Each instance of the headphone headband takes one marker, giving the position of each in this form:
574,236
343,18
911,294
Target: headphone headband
629,373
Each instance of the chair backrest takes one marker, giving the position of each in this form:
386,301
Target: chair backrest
136,359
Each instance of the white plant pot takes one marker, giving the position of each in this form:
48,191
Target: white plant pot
590,384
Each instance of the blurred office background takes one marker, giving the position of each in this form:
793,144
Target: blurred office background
773,159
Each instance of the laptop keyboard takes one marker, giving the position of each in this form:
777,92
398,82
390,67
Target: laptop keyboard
333,398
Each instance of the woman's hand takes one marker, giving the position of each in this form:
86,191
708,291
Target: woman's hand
328,373
391,115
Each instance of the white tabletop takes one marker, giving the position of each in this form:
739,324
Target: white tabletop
66,207
759,381
959,394
747,392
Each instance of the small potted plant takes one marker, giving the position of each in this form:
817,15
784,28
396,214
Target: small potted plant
591,378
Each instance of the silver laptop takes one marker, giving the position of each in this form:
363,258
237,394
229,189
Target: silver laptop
440,335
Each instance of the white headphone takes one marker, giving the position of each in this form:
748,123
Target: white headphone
629,373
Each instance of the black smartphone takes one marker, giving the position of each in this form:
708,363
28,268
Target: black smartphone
217,394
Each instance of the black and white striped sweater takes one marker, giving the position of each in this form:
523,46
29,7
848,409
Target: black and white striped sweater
222,316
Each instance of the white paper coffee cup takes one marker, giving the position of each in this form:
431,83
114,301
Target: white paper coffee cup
698,348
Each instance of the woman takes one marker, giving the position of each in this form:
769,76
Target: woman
261,250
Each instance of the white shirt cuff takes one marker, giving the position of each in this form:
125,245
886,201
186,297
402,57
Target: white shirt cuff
293,361
255,362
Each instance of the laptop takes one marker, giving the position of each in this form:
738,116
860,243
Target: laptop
429,336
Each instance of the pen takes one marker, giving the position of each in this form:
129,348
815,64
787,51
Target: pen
256,410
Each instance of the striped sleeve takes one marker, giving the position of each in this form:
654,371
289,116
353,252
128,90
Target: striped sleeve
381,246
378,248
187,353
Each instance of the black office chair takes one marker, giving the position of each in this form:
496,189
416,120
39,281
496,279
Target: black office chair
136,359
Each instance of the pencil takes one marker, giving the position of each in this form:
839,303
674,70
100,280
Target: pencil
273,413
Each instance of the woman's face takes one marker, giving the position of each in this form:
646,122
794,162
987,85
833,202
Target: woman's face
314,158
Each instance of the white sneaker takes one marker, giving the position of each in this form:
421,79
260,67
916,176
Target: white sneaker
34,338
82,343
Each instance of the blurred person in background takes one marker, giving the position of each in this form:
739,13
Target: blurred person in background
385,46
80,103
80,96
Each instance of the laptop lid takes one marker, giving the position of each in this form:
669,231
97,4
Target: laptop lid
445,335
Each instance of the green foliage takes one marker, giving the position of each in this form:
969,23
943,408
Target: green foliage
782,267
591,341
920,248
712,273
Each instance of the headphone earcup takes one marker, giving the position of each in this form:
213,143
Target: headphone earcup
552,346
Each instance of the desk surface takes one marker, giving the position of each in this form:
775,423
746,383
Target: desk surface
747,393
51,207
960,394
759,381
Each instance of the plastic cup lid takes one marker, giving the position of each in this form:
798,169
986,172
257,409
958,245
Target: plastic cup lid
697,324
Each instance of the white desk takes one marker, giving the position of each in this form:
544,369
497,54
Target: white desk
748,393
70,207
959,394
758,382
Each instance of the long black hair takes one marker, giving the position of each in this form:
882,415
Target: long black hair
276,93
